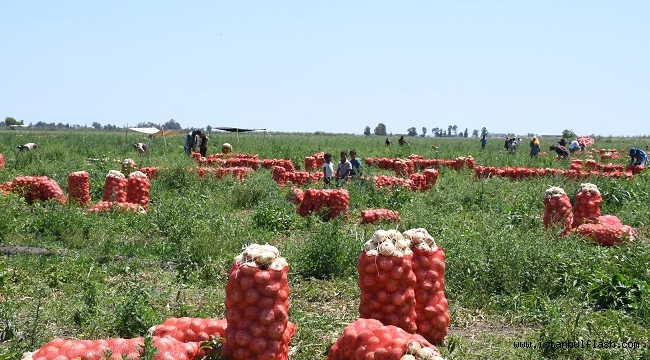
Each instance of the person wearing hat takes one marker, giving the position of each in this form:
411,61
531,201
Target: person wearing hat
562,142
561,151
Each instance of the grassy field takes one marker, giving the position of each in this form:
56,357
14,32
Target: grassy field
507,279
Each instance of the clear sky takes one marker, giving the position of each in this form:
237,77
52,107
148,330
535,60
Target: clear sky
334,66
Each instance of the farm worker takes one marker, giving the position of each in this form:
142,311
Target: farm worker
483,142
141,147
27,147
638,157
226,148
343,169
562,142
328,169
512,146
387,141
574,146
356,163
560,150
203,145
191,140
402,141
534,147
506,145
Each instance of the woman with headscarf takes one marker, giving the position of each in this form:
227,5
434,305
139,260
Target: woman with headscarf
534,147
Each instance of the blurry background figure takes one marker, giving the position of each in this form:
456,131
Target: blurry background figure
574,146
638,157
226,148
483,142
203,145
403,141
191,140
27,147
512,146
560,150
388,142
141,148
534,147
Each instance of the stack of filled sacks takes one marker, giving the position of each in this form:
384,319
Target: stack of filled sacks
557,210
257,306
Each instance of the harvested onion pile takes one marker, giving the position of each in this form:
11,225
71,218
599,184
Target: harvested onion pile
79,187
128,165
607,234
257,306
370,339
586,207
2,162
387,281
431,308
557,210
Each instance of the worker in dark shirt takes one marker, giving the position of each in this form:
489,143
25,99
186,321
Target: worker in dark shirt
560,150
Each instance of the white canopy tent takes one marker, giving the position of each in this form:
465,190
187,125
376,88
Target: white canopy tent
152,132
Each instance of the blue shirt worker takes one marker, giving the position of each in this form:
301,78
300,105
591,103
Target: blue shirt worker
356,163
638,157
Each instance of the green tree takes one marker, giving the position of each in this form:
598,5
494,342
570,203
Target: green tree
366,131
475,133
96,125
380,129
412,131
11,121
172,125
455,128
568,134
449,128
424,131
484,131
465,133
208,128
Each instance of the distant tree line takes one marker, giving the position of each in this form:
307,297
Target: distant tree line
10,121
451,131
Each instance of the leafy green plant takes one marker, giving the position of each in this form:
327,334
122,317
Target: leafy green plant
617,292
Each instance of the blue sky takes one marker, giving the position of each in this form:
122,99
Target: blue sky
335,66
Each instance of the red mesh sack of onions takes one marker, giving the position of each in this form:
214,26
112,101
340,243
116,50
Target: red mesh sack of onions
296,195
279,174
431,308
168,349
371,216
109,206
587,204
115,187
79,187
128,165
387,281
607,230
370,339
2,162
188,329
557,210
152,172
38,188
257,306
137,189
7,187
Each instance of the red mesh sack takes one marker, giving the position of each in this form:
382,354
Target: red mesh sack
79,187
607,234
430,302
586,207
371,216
387,281
168,349
557,210
115,187
2,162
138,189
188,329
370,339
257,306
